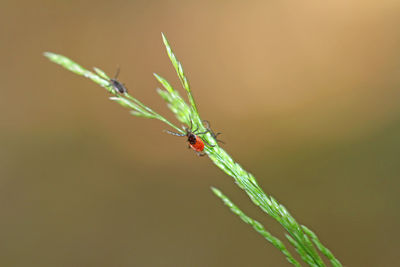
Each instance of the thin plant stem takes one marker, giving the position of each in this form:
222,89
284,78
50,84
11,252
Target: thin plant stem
303,239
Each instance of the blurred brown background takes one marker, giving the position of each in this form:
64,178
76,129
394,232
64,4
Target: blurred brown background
307,95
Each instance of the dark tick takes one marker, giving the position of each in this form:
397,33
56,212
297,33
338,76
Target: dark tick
116,85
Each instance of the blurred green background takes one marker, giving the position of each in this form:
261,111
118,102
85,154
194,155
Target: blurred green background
306,95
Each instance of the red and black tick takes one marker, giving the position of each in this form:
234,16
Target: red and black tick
195,141
117,85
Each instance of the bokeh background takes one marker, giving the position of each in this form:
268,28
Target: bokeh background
307,95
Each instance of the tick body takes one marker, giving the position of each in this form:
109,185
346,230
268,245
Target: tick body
116,85
194,140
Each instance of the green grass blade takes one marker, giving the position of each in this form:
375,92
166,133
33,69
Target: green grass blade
76,68
335,262
299,236
179,70
101,73
257,226
125,100
175,102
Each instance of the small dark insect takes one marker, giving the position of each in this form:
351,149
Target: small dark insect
116,85
195,142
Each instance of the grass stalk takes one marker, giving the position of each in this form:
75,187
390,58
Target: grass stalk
303,240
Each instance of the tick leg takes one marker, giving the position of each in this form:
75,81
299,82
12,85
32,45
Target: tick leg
117,73
208,143
172,133
214,135
207,124
191,124
216,139
208,131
